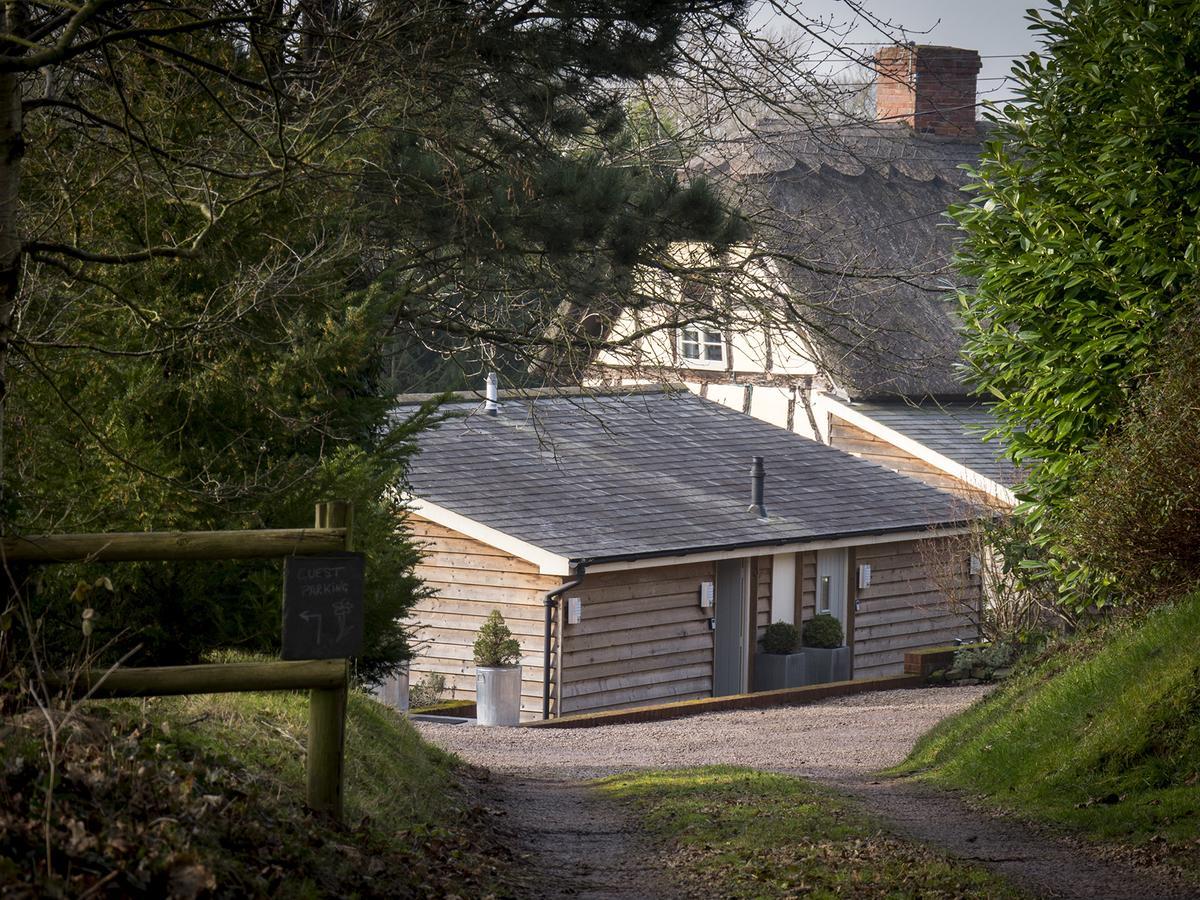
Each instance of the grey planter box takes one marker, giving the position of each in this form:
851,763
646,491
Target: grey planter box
778,670
823,665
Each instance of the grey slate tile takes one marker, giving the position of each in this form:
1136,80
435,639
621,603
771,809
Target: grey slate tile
618,476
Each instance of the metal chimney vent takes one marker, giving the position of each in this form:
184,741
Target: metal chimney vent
492,404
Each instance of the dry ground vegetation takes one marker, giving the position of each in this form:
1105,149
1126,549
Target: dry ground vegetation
203,797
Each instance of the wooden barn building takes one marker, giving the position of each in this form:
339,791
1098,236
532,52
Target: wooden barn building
643,497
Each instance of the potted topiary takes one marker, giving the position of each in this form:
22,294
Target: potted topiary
781,663
497,674
825,659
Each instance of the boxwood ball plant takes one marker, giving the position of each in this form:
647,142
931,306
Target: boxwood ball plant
780,637
823,630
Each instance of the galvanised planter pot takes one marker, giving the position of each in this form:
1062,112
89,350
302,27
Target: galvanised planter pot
498,695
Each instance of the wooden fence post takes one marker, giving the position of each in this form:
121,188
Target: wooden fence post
327,706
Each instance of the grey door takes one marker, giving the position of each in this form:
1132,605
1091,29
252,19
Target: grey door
729,640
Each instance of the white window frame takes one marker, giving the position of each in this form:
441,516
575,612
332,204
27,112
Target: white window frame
706,340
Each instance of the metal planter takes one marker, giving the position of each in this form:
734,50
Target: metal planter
498,695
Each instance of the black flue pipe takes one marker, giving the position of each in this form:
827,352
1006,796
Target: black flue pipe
757,477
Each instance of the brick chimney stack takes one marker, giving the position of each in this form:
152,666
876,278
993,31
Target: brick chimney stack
931,89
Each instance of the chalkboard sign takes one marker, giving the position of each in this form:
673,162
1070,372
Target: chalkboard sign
322,606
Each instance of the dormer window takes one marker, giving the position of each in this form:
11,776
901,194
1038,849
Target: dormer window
701,345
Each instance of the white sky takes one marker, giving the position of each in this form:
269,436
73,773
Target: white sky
996,28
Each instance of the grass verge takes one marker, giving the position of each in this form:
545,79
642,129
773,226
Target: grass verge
204,796
1102,737
736,832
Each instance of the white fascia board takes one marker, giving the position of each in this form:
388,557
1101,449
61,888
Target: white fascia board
862,540
968,476
548,563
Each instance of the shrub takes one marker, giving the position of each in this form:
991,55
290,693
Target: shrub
428,691
780,637
823,630
1135,519
496,645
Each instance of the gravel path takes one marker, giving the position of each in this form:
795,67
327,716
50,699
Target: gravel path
583,847
862,733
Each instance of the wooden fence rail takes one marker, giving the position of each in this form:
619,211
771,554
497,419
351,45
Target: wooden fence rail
147,546
212,678
327,680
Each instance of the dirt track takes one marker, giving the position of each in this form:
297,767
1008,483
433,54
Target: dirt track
584,847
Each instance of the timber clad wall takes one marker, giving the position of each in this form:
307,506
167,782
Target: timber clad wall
854,440
762,581
470,579
901,610
643,638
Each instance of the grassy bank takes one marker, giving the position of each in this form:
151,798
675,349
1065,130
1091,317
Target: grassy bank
1103,737
736,832
203,796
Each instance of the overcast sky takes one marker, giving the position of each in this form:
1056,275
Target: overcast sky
996,28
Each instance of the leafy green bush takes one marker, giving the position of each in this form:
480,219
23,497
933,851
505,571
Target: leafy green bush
990,657
780,637
823,630
1135,519
1081,239
495,645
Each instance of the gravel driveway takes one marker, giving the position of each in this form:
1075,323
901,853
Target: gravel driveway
857,734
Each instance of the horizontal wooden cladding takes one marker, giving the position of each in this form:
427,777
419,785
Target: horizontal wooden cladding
696,672
480,576
643,638
582,671
469,579
487,594
764,570
901,610
854,440
623,653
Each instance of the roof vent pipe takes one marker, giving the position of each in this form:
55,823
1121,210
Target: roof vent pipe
757,477
492,405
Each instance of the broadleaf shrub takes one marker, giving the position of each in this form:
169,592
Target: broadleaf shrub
1081,238
496,645
1136,517
823,631
780,637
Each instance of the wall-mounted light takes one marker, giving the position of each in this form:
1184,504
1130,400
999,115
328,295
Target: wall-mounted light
975,564
864,575
706,594
824,605
574,610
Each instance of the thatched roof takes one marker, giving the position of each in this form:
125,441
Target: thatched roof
858,216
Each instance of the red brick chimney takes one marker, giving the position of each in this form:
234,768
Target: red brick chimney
931,89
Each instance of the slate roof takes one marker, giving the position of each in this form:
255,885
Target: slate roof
953,429
655,473
861,209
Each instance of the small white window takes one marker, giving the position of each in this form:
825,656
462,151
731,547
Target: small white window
701,345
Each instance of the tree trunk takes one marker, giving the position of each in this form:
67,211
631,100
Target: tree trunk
12,149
